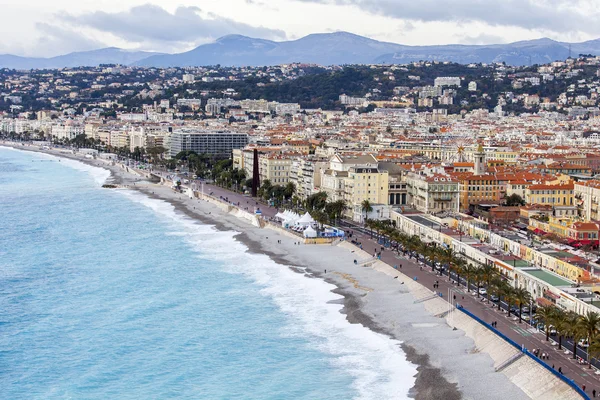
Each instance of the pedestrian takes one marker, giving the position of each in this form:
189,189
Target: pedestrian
594,393
560,370
325,271
583,387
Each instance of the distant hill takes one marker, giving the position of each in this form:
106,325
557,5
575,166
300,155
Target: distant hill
346,48
109,55
323,48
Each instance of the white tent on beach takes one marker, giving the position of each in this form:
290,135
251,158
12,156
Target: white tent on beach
306,220
310,232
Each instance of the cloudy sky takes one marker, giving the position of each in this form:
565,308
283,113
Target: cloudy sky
47,28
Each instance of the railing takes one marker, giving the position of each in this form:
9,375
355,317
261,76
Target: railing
568,381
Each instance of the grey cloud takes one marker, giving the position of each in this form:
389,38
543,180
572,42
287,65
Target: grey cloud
57,40
150,23
551,15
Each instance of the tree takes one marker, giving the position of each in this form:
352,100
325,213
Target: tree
521,296
593,349
469,272
504,293
316,201
545,315
265,189
576,329
514,200
458,266
366,207
335,209
289,191
560,323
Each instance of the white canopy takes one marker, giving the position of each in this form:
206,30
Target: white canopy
305,220
310,232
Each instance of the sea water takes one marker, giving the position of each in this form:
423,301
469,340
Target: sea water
108,294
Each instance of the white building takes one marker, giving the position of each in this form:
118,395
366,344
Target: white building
68,130
447,81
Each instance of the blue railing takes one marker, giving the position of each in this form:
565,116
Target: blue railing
568,381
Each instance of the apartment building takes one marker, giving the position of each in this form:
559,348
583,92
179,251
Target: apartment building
587,199
559,195
206,142
67,130
431,192
275,167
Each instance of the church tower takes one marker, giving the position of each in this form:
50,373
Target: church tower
480,164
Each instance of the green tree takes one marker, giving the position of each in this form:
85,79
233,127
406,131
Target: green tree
514,200
366,207
545,314
521,297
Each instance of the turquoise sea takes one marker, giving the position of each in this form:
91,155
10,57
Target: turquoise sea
107,294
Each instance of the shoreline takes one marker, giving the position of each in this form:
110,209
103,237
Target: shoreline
442,371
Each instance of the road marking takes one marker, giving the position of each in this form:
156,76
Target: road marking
521,331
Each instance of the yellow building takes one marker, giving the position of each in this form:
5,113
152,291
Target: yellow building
275,168
509,157
554,195
365,183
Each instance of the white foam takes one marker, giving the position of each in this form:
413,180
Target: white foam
376,362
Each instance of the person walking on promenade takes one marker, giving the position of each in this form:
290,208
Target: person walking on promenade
560,370
583,387
594,393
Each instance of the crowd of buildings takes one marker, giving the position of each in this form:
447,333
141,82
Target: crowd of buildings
536,174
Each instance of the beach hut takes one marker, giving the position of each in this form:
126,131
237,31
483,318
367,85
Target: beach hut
310,232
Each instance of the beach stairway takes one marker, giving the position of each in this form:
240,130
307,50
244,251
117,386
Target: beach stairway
368,262
433,296
509,361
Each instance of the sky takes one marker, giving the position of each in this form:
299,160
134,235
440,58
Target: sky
43,28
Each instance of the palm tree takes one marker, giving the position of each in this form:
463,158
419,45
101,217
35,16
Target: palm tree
545,315
576,329
478,279
289,191
509,296
521,296
447,256
504,292
559,321
366,207
590,321
488,273
469,273
458,267
593,349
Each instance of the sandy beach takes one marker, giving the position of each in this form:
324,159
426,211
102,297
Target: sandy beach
449,366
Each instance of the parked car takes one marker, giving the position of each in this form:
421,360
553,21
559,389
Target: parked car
494,298
482,291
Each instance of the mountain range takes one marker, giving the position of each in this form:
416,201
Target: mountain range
324,48
92,58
